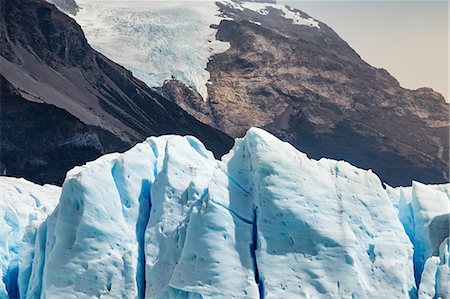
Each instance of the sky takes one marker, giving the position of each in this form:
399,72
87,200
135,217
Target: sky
407,38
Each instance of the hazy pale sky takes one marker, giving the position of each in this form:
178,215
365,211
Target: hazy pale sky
407,38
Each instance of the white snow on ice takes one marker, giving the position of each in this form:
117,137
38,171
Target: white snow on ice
167,220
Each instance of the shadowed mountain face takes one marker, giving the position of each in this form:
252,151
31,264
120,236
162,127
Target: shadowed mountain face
309,87
42,142
58,93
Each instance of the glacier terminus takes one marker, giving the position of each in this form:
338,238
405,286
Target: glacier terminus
167,220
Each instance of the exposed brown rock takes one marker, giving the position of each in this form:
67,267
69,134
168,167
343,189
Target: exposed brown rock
309,87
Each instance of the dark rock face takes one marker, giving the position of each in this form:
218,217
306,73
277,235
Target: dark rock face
309,87
88,100
42,142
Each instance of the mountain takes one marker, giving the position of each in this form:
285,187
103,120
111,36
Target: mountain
167,220
63,103
40,141
237,64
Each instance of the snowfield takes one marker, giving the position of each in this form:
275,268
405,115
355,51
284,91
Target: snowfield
167,220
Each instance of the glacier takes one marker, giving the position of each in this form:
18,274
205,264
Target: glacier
24,206
167,220
155,40
163,40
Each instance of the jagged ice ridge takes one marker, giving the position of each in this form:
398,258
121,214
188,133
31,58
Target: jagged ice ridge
167,220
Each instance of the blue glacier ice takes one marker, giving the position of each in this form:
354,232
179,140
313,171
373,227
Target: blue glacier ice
435,279
23,207
425,213
167,220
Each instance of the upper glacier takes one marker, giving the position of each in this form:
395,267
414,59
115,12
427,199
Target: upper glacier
161,40
156,40
167,220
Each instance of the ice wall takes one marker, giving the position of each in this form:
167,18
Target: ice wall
167,220
23,207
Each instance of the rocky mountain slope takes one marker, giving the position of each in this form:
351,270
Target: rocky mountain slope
40,141
307,86
280,69
60,94
167,220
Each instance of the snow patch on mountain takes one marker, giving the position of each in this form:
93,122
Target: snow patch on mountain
156,40
264,9
23,207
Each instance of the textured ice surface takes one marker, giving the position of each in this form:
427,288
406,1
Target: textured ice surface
435,282
92,238
156,40
23,207
167,220
290,227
